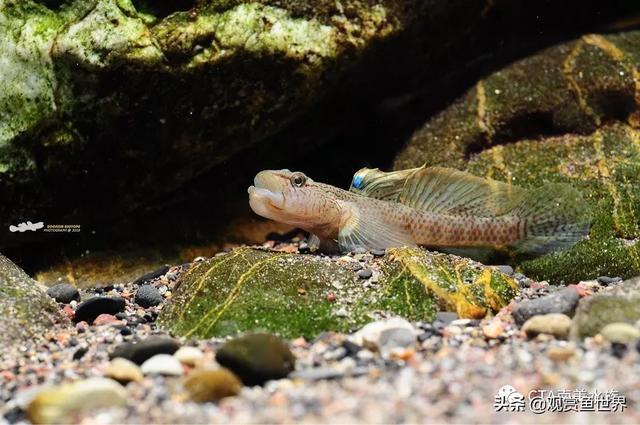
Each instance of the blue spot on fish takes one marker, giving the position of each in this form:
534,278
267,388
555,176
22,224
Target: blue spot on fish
357,182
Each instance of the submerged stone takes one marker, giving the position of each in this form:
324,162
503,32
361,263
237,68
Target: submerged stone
567,114
289,294
25,308
257,358
619,304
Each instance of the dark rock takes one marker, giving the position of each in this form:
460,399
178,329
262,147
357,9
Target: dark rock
351,347
618,349
121,315
148,296
606,280
378,252
93,307
145,349
257,358
64,293
563,301
125,331
151,275
365,273
79,353
446,317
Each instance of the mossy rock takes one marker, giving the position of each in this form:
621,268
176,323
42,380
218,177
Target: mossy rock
26,309
98,99
574,87
293,295
567,114
621,304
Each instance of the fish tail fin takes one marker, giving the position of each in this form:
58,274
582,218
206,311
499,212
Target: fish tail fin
556,216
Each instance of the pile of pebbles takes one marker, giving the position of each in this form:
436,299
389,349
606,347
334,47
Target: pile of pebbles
126,370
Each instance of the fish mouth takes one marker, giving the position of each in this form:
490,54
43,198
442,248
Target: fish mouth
265,202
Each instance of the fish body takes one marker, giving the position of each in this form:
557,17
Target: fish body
435,207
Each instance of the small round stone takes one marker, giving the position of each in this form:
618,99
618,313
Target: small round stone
189,356
64,293
123,371
162,364
365,273
148,296
212,385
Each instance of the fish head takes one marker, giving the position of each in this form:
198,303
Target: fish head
293,198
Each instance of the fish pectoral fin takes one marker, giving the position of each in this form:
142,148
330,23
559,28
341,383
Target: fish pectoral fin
368,232
313,242
325,246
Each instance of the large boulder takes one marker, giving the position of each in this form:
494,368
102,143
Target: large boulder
26,309
292,295
568,114
106,105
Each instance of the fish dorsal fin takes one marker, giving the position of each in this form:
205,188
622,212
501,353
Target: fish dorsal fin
368,231
373,183
439,190
449,191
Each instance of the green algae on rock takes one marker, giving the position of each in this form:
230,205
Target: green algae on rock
293,295
619,304
605,166
511,127
90,80
26,309
574,87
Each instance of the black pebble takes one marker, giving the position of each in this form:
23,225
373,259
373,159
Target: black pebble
149,318
108,288
606,280
80,352
145,349
151,275
125,331
98,290
121,316
15,415
351,347
563,301
364,273
93,307
378,252
618,349
148,296
64,293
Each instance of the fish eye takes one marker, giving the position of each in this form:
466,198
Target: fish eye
298,179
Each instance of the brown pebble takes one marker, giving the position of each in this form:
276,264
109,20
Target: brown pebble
212,384
561,354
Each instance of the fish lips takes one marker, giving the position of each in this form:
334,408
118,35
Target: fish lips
264,202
